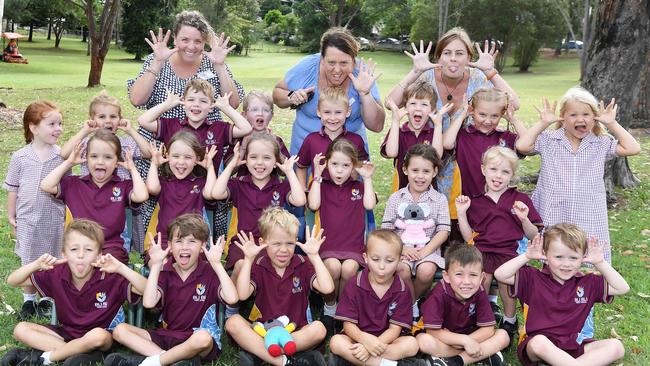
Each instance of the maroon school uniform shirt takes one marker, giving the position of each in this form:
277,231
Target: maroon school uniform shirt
287,295
406,140
209,133
97,305
178,197
359,304
105,205
342,216
317,142
498,228
557,310
443,310
470,146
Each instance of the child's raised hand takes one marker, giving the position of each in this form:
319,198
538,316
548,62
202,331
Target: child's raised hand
219,49
521,210
365,77
509,114
208,157
373,344
462,203
318,167
398,113
157,255
535,248
214,250
124,125
248,246
90,126
222,102
236,156
157,154
366,170
107,263
128,163
46,262
173,100
436,116
313,241
607,115
486,56
360,352
594,253
75,157
420,58
547,113
287,164
159,45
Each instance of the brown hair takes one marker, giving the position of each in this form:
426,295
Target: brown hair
421,89
188,224
199,85
109,138
104,99
341,39
278,217
463,254
267,137
384,236
344,146
194,19
456,33
34,114
258,94
190,140
568,234
335,95
88,228
426,152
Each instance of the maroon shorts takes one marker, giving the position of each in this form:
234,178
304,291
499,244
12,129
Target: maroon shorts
342,256
576,352
67,337
168,339
492,261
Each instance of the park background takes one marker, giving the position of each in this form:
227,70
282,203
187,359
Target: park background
541,56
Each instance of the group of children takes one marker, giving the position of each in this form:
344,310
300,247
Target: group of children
375,285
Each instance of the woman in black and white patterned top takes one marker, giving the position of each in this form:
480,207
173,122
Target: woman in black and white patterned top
169,70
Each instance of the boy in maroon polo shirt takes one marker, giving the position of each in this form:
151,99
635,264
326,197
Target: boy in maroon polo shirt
89,290
188,292
559,297
197,101
423,126
375,308
281,281
457,314
333,109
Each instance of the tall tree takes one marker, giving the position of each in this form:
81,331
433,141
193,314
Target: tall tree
618,66
140,17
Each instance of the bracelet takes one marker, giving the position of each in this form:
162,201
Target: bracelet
156,74
318,179
492,74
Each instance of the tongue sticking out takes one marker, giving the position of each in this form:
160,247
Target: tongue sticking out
184,259
581,129
100,174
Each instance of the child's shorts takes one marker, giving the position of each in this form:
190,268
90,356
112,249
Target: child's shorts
575,353
342,256
167,339
434,258
67,337
492,261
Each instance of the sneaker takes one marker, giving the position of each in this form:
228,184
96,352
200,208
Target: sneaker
121,359
14,356
247,359
442,361
498,314
307,358
85,359
412,361
495,360
44,308
33,359
28,310
512,330
335,360
194,361
330,325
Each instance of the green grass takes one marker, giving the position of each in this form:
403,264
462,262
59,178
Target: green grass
61,75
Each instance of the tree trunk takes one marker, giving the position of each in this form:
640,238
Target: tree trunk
84,34
587,25
31,32
101,33
443,10
96,66
49,29
618,66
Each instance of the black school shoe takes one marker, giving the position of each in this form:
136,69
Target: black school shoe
15,356
498,314
247,359
330,325
122,359
44,308
412,361
335,360
306,358
443,361
194,361
85,359
512,330
27,311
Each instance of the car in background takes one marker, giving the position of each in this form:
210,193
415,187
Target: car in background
572,45
388,41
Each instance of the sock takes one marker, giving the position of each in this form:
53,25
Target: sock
152,360
231,310
29,297
46,358
493,298
329,310
385,362
284,360
416,311
511,320
455,361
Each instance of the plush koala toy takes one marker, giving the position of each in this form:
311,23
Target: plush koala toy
413,220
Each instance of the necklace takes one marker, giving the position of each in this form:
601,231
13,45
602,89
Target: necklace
449,93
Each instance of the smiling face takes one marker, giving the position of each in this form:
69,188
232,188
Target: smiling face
190,44
185,251
281,246
486,116
49,129
258,114
382,259
101,160
106,116
182,159
464,280
498,174
562,261
578,120
420,173
418,112
197,106
260,159
332,116
336,65
454,59
80,251
339,167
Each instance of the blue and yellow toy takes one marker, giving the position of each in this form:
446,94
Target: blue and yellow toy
277,335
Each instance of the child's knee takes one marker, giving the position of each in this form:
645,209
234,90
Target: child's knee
404,271
318,330
410,346
425,272
97,338
234,324
349,269
426,343
502,338
201,339
20,330
337,344
616,347
120,331
539,345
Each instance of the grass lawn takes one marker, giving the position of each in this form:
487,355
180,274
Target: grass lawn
61,75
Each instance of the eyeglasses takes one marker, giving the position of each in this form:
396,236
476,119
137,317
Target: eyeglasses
257,110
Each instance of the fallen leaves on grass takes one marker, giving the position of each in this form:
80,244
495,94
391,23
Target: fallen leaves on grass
641,294
627,253
634,338
645,232
614,334
9,309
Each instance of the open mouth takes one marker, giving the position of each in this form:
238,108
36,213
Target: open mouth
259,123
184,259
581,129
100,174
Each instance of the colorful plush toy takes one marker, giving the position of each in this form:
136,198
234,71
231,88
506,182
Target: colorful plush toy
413,220
277,335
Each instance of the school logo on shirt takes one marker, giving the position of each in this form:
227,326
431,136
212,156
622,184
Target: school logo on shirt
195,189
275,199
391,308
296,285
580,295
200,292
117,194
209,138
356,195
101,300
472,309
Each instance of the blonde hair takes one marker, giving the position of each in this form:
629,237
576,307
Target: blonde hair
199,85
456,33
383,237
581,95
497,152
569,235
88,228
334,95
188,224
104,99
491,95
421,89
277,217
194,19
258,94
